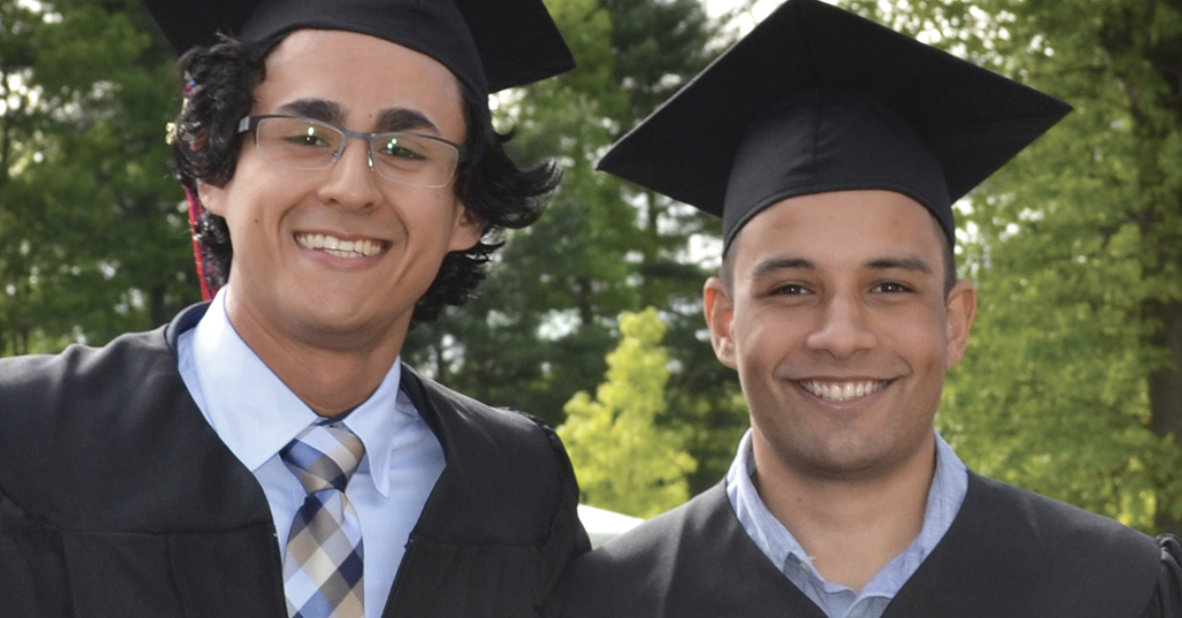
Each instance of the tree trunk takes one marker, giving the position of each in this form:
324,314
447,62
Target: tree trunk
1165,398
1156,118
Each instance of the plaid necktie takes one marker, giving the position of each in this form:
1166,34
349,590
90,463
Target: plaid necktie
322,570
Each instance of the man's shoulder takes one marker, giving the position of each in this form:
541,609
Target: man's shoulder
508,491
149,354
1056,541
694,560
494,456
83,389
658,540
108,438
1014,552
1050,522
631,574
142,350
456,416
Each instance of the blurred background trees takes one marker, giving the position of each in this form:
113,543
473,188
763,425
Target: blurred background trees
92,240
1071,385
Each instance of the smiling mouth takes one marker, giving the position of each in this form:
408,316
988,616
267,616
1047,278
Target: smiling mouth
842,391
352,249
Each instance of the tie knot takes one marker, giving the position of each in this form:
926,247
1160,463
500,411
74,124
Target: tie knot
323,457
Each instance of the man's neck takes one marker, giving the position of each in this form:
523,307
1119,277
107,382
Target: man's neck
850,527
332,375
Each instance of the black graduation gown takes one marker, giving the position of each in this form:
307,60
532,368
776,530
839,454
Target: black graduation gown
1009,554
117,499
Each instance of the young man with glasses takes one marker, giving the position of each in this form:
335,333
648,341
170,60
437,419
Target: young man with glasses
267,453
833,149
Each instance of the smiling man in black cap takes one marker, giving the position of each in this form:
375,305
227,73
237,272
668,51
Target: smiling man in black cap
267,454
833,149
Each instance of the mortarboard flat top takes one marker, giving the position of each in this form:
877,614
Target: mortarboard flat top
940,125
488,44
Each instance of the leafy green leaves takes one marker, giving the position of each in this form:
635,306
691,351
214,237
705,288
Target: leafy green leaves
625,461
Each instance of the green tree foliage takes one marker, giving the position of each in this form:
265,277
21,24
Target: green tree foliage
1071,385
92,242
624,460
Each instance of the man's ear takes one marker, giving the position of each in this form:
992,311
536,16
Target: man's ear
960,309
212,198
466,231
720,315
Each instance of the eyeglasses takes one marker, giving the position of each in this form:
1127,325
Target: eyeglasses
307,144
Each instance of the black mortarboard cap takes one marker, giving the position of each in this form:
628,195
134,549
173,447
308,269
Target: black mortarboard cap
488,44
817,99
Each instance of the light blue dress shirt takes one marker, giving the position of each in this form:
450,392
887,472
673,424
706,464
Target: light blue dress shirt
256,415
945,497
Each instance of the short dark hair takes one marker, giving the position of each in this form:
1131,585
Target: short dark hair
219,83
726,272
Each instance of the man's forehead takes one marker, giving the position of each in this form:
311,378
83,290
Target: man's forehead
312,72
858,225
304,44
843,209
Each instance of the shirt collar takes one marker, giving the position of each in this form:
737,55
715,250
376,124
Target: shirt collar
947,492
256,414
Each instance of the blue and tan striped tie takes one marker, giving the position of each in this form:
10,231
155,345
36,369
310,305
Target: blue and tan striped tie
322,570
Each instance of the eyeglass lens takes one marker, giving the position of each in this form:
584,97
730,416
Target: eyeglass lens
302,143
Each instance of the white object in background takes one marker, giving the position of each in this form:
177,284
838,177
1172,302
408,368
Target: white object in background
602,525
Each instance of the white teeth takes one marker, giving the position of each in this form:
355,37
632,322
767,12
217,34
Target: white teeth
340,248
842,391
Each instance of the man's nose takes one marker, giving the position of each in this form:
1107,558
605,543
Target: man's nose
843,329
351,181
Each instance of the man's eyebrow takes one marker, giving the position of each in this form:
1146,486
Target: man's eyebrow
910,263
769,266
772,265
316,109
394,119
403,119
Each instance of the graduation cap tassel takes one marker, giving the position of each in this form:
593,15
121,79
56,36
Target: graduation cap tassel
208,288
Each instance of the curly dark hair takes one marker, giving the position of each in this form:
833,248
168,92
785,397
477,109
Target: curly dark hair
219,83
